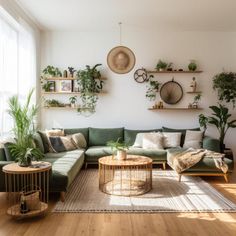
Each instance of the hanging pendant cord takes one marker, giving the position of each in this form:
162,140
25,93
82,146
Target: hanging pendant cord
120,25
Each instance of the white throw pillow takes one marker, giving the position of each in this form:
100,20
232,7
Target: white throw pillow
171,139
193,139
152,141
139,140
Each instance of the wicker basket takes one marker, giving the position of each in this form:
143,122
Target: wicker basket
31,197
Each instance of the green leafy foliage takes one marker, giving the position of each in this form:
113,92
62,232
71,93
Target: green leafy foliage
51,71
153,88
73,99
220,119
23,117
225,84
203,120
90,83
53,103
117,145
162,65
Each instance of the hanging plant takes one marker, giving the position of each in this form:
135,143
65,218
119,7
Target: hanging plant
225,84
90,84
153,88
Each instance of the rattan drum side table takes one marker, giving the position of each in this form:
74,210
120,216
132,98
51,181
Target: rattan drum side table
129,177
28,186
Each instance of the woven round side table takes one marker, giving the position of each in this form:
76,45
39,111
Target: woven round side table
28,183
129,177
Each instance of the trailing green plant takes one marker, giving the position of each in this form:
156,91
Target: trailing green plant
53,103
196,99
153,88
90,84
225,84
46,86
51,71
161,65
117,145
220,119
24,149
73,99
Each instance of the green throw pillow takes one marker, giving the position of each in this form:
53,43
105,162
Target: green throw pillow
39,142
8,154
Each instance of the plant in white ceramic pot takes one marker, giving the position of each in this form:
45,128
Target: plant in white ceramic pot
119,148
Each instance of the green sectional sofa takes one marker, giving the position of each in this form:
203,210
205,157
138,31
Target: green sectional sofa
66,165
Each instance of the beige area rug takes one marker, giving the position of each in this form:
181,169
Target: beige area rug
192,194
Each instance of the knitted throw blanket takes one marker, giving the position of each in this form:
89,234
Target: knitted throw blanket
186,159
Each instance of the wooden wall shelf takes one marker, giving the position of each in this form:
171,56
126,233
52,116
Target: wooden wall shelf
60,108
173,72
175,109
53,93
68,78
197,92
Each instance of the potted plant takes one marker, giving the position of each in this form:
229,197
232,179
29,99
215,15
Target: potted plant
119,148
23,116
161,65
153,88
53,103
225,84
90,84
220,119
192,66
73,100
51,71
196,100
71,71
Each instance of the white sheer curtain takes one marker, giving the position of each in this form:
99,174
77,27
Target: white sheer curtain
17,66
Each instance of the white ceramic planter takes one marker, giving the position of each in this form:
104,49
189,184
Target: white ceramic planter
121,155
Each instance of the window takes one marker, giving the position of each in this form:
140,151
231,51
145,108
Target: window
17,65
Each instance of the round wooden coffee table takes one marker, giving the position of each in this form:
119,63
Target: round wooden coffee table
30,182
129,177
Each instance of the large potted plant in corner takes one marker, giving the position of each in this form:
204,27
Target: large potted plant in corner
90,84
24,150
220,119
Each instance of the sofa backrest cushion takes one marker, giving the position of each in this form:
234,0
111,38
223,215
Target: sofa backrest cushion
9,156
84,131
100,137
38,142
130,135
183,131
2,155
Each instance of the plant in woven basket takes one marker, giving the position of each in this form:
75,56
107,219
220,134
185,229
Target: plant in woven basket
225,84
24,149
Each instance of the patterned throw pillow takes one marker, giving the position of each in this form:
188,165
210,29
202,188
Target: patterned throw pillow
79,140
152,141
62,143
193,139
171,139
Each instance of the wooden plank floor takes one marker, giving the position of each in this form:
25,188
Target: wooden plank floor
127,224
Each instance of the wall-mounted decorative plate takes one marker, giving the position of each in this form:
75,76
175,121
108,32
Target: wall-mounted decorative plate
171,92
121,60
140,75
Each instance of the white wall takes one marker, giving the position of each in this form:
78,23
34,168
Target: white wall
125,103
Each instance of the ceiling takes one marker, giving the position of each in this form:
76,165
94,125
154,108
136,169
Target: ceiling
87,15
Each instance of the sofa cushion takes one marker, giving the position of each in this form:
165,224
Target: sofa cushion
152,140
95,152
2,155
130,135
183,131
100,137
38,142
65,167
171,139
7,151
62,144
193,139
84,131
154,154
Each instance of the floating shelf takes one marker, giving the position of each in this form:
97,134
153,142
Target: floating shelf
197,92
61,108
60,93
176,109
68,78
174,72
